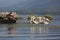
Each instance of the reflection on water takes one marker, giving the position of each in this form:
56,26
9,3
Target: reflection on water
29,32
37,32
11,30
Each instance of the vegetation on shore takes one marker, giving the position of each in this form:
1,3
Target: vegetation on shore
49,17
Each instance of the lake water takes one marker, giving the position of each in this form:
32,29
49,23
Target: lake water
22,30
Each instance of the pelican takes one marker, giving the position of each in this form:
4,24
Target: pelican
38,20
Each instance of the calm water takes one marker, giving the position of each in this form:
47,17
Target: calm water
22,30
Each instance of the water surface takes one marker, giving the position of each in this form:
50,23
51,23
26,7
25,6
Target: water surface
24,31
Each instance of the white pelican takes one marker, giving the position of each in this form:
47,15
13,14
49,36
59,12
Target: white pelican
38,20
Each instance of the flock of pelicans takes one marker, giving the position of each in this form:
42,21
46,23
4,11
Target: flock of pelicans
11,18
40,20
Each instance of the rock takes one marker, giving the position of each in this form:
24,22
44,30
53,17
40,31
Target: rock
8,18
